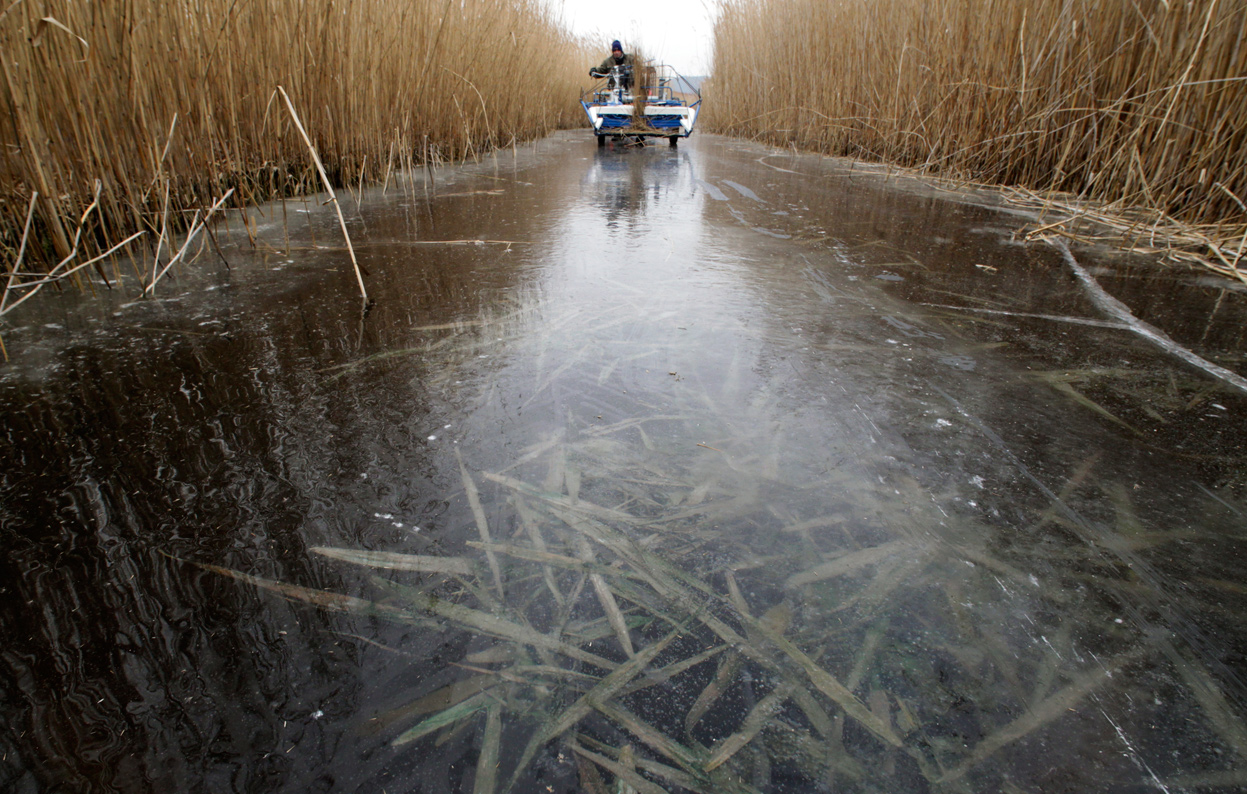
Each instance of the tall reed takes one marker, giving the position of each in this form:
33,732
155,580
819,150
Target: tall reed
1140,102
177,98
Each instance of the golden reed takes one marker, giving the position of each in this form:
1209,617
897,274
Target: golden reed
1140,102
177,99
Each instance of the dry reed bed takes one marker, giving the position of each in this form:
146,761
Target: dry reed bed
171,104
1136,104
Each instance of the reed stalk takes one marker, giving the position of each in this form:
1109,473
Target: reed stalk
320,169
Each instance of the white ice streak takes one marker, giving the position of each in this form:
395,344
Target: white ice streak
714,191
1056,318
1111,305
741,189
1132,753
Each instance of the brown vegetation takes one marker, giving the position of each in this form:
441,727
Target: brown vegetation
1139,103
170,103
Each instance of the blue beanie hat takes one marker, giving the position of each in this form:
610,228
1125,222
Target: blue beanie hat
615,45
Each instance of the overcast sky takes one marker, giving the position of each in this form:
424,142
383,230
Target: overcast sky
677,32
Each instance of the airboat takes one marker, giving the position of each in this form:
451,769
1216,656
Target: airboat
640,103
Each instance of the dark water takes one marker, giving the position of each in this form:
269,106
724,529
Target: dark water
822,424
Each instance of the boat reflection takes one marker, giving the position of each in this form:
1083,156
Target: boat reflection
625,180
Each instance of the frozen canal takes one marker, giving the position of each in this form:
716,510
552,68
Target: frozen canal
713,469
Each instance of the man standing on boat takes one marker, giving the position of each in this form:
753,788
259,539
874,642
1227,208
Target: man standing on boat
617,58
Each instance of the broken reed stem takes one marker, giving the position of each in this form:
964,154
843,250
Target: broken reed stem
195,229
161,163
49,279
484,109
482,523
320,168
21,252
164,226
53,275
82,222
150,289
38,285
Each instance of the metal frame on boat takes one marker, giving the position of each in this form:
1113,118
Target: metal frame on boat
650,101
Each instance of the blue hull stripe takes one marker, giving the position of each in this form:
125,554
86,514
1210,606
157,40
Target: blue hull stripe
659,122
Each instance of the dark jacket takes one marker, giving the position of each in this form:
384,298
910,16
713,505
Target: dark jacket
605,66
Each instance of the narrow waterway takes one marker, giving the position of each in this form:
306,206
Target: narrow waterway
713,468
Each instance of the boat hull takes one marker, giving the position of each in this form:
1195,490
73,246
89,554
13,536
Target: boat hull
664,121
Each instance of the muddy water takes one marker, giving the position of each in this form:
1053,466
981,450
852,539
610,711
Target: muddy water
711,469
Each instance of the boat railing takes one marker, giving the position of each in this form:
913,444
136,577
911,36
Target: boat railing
660,84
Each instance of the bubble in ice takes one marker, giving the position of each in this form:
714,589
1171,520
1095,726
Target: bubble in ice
964,363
